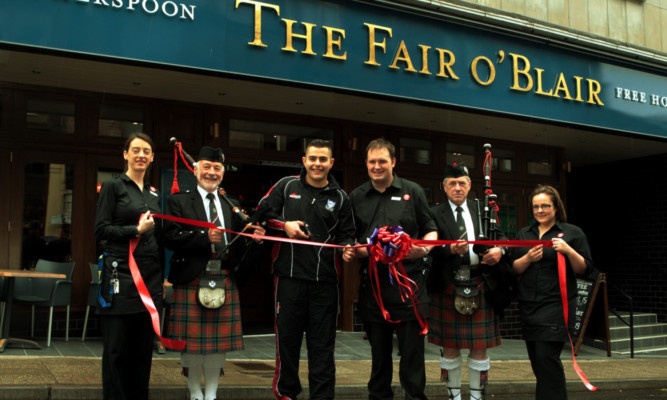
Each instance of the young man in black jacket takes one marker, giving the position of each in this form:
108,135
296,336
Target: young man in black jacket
312,207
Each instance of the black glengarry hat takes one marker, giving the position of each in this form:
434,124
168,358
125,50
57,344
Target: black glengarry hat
456,170
211,154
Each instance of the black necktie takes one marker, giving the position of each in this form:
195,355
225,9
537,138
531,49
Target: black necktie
215,219
463,233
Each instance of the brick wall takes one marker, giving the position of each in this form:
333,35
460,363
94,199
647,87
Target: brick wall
622,208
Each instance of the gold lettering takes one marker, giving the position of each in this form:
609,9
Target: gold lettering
258,19
403,55
539,83
578,80
594,88
446,65
337,42
424,69
561,85
517,72
289,34
492,70
372,44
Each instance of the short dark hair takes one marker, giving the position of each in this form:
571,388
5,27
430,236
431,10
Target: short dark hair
561,214
137,135
320,143
381,143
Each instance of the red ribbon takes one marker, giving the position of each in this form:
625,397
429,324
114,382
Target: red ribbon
390,248
376,254
148,300
562,279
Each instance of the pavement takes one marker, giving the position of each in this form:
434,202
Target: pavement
72,370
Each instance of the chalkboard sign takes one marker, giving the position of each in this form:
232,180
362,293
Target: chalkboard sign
587,310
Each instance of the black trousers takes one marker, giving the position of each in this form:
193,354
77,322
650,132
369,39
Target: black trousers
411,372
127,356
548,369
310,307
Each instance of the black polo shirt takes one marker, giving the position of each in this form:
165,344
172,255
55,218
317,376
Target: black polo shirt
403,203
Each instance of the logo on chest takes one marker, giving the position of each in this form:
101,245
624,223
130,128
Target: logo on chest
331,205
295,196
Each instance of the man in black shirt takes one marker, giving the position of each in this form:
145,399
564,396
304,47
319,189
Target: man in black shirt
387,200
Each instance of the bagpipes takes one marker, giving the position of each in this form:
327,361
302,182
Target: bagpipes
261,216
501,281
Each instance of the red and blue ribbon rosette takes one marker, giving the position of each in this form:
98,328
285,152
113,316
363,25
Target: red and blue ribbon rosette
390,246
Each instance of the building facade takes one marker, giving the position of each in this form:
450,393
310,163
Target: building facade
570,93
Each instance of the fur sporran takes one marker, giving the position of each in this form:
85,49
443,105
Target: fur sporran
466,299
211,291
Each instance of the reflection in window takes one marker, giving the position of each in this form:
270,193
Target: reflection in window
415,151
120,121
269,136
507,217
50,115
539,164
461,153
47,213
503,160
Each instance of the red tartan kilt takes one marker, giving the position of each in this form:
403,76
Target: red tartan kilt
206,331
448,328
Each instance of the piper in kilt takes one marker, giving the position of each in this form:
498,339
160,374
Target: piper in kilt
205,256
460,316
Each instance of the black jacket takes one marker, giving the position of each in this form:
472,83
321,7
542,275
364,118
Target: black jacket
446,264
327,212
190,244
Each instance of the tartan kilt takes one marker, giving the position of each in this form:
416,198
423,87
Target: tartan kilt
206,331
448,328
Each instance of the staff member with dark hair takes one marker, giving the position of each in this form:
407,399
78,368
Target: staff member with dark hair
124,209
387,200
201,255
311,206
540,304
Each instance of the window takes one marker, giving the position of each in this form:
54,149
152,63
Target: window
47,214
461,153
120,121
50,115
272,136
415,151
539,163
502,160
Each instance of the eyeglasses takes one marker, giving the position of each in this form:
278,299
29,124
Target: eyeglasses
545,207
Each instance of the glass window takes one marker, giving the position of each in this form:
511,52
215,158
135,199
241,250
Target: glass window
271,136
47,213
539,164
415,151
120,121
502,160
50,115
507,218
461,153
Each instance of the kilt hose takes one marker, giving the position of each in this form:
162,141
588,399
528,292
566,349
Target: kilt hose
206,331
448,328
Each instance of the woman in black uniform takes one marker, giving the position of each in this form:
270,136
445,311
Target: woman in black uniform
124,211
540,303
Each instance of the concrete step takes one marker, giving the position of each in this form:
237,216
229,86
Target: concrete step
623,332
652,351
624,344
638,319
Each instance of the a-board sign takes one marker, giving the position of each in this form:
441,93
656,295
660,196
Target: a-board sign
591,317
